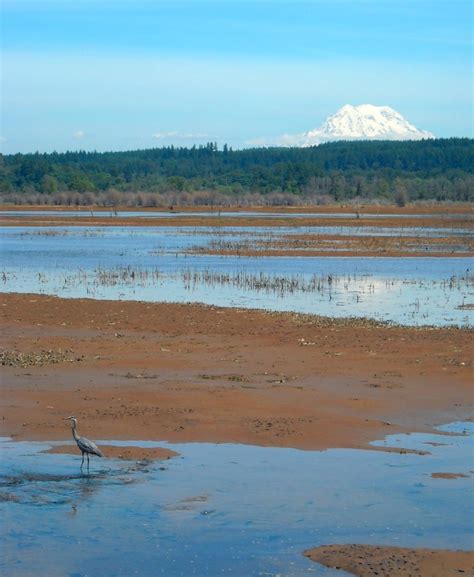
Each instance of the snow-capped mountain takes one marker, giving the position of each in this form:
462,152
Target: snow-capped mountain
364,122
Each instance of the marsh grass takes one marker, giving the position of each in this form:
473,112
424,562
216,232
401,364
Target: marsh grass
269,242
324,284
356,293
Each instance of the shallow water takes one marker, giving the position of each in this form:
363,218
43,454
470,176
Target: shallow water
227,509
217,213
152,264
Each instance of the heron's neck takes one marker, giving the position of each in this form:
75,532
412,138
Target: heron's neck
74,432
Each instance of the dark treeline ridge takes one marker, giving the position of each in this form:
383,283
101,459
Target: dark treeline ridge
428,170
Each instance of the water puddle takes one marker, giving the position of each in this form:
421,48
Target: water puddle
228,509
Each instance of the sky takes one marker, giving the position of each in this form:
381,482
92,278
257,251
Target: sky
128,74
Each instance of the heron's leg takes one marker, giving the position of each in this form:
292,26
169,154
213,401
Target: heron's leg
87,461
82,462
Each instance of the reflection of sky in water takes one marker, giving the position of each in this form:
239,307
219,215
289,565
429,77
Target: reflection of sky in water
228,509
407,290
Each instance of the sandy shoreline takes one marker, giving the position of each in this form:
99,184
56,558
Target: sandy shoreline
132,370
216,221
370,560
124,453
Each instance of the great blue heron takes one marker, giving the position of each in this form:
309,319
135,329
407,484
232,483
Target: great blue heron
86,447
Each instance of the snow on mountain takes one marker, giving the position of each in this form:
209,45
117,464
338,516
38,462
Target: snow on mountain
364,122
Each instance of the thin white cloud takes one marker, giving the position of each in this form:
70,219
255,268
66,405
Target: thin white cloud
257,142
282,140
79,134
174,134
3,139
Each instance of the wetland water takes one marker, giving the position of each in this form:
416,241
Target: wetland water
228,509
155,264
216,213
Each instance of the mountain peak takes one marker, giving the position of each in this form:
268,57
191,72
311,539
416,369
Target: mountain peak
362,122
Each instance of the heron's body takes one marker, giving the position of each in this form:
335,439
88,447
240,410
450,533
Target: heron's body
86,446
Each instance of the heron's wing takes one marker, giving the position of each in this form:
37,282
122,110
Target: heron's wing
89,447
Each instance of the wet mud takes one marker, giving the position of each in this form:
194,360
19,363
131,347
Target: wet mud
370,560
197,373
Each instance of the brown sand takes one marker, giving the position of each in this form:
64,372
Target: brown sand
448,475
116,452
370,560
131,370
223,221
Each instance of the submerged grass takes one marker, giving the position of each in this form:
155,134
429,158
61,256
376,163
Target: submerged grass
271,283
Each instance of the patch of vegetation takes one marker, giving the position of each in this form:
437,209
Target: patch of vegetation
24,360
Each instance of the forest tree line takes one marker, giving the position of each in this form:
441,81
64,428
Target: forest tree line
428,170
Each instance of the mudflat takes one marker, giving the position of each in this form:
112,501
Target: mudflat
178,372
370,560
458,215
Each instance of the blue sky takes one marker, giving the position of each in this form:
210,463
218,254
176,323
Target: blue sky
120,74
